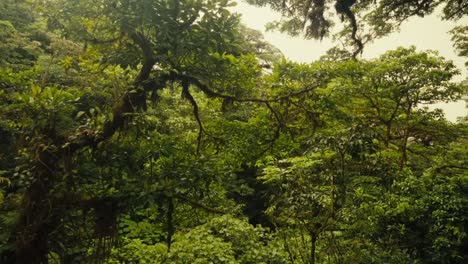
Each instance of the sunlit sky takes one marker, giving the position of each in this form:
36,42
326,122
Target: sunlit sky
425,33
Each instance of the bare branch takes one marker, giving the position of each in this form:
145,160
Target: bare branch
206,90
199,205
189,97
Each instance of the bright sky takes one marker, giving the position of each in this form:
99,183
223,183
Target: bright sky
425,33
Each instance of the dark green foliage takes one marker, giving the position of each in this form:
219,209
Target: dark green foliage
150,132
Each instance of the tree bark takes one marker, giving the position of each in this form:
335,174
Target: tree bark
170,223
313,241
33,228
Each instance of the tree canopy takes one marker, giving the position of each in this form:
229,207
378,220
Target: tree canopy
165,131
362,21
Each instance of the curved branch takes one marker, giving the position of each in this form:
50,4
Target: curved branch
148,57
187,80
354,37
206,90
343,7
189,97
276,134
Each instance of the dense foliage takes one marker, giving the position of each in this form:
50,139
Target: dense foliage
165,131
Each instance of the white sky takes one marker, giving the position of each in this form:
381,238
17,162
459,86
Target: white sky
425,33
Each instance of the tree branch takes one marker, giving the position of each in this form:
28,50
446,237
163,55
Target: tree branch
206,90
343,7
133,99
189,97
199,205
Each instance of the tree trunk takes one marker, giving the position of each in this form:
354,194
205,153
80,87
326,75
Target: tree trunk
313,241
32,231
406,133
170,224
388,133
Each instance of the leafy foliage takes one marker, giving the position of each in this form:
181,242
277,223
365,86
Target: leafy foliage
166,132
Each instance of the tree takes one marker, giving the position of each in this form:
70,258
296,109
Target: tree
170,44
366,20
143,131
369,135
460,40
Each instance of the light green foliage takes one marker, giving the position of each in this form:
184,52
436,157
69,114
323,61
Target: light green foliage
47,110
17,49
226,240
367,140
222,240
134,251
460,40
432,206
254,42
201,248
240,74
